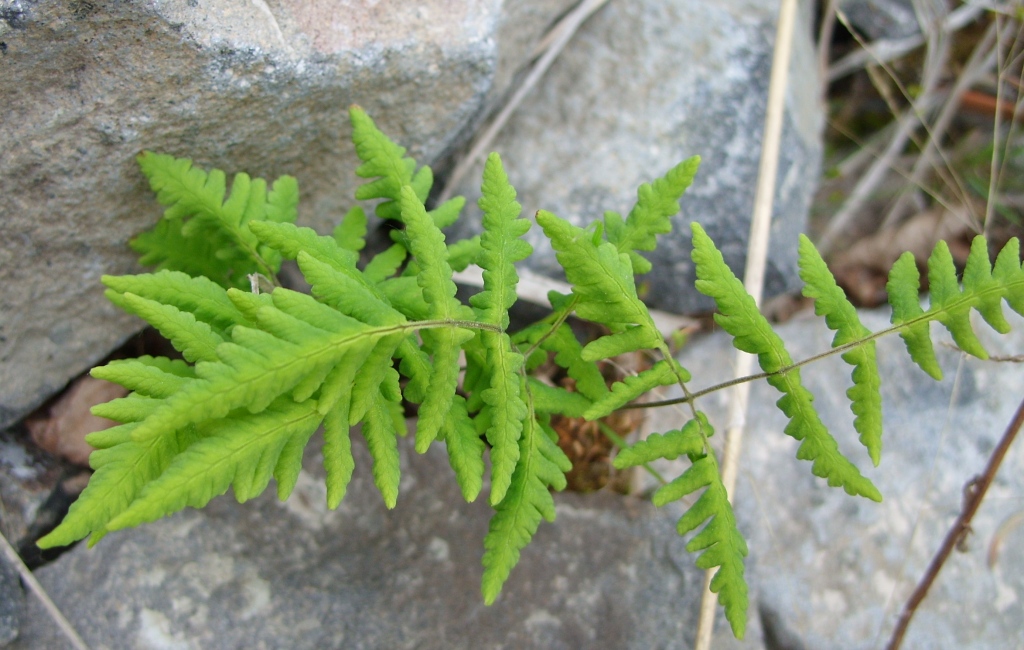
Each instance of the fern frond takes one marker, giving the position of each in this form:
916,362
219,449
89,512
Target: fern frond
465,449
552,399
147,376
193,338
664,373
386,163
752,333
195,200
947,301
841,316
507,410
122,469
656,203
501,247
385,264
203,298
721,542
568,355
1009,273
688,441
283,201
601,277
338,461
542,466
350,234
290,240
634,337
435,279
381,429
500,244
241,451
903,288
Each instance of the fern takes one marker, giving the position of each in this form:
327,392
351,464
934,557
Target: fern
262,371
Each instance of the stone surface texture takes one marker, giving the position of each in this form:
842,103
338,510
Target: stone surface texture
258,86
644,85
828,570
890,18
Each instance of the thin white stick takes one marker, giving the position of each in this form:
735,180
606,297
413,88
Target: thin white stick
40,593
563,32
757,256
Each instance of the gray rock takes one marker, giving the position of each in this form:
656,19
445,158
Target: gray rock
610,573
260,87
888,18
644,85
833,571
12,603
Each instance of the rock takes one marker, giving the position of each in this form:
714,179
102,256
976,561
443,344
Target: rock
12,603
878,19
833,571
239,86
644,85
611,572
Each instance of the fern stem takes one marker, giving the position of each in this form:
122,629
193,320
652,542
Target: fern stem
974,494
927,316
559,319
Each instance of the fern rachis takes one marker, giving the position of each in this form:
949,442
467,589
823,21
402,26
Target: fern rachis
263,370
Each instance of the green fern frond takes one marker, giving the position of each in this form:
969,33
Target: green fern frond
122,469
663,373
500,243
738,315
199,296
552,399
194,339
290,240
656,203
568,355
148,376
435,279
601,277
688,441
904,288
195,200
465,449
384,161
350,234
385,264
501,247
634,337
721,542
841,316
337,451
947,301
243,449
542,466
381,428
1009,273
507,411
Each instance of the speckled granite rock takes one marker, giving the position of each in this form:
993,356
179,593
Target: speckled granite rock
644,85
258,86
